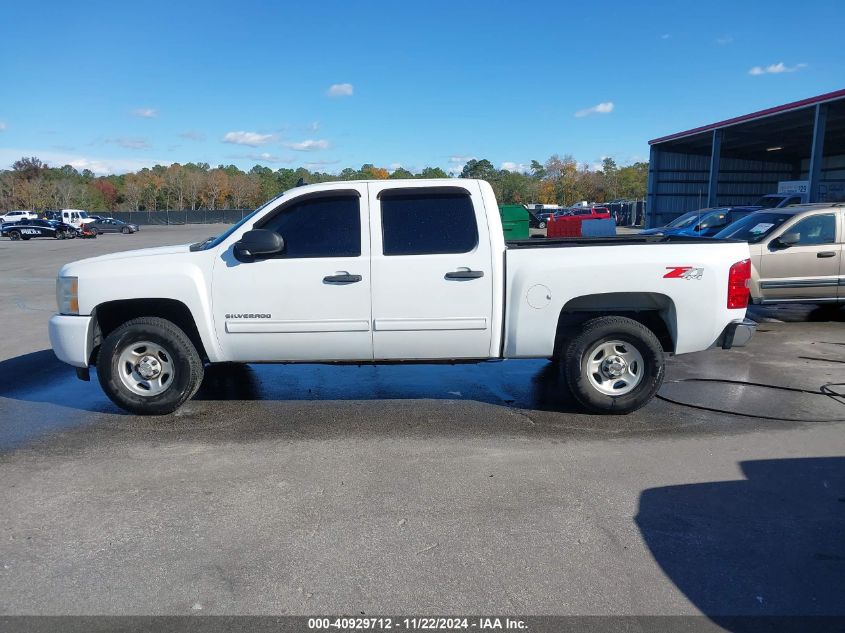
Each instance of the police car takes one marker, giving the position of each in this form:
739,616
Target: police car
26,229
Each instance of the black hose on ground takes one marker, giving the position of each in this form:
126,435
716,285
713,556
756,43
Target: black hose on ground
826,390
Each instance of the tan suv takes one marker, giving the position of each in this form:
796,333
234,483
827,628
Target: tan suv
796,253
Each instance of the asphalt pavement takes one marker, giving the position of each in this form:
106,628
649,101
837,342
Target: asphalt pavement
429,489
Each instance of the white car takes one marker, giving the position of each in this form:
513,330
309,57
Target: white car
397,270
17,216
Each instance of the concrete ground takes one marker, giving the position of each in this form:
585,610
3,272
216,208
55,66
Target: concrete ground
420,489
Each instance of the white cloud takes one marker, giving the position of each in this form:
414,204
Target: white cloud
775,69
340,90
253,139
192,135
515,167
457,163
145,113
605,107
320,163
665,36
267,157
724,40
313,126
99,165
130,143
2,126
308,145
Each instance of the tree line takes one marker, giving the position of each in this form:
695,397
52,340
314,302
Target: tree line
32,184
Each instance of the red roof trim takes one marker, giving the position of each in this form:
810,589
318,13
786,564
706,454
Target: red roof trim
828,96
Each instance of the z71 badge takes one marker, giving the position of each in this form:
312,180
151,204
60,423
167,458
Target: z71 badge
683,272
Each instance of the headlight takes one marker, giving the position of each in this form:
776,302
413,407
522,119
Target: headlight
67,295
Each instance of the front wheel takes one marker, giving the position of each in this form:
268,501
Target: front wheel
149,366
614,365
542,225
126,230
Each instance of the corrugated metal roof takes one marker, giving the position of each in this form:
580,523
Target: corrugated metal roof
795,105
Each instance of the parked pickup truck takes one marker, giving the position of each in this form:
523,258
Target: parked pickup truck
397,270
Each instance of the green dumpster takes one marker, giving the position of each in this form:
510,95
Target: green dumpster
514,221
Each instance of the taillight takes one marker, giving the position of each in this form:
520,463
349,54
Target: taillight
739,279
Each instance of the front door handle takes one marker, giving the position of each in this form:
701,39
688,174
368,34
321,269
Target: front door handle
465,274
826,254
344,278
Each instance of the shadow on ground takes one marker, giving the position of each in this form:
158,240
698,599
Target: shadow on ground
772,544
529,384
798,312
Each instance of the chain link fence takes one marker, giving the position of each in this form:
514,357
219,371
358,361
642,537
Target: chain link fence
188,216
627,212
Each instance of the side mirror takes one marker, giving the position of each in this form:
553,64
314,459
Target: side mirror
258,243
787,239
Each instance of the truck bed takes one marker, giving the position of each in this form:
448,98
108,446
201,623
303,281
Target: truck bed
619,240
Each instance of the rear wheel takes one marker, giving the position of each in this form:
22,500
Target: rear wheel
149,366
542,225
14,235
613,365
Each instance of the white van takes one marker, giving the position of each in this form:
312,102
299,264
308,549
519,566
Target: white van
75,217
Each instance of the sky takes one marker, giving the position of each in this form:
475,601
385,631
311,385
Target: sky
116,86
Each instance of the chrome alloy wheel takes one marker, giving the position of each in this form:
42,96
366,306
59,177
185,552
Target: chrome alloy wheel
614,367
145,368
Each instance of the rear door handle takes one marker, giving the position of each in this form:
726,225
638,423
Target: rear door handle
826,254
345,278
465,274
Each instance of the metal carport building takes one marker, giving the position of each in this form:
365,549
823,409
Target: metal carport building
733,162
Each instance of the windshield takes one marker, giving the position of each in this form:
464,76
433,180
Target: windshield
687,219
768,202
213,241
755,227
83,214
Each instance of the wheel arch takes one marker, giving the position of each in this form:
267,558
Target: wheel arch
655,311
111,314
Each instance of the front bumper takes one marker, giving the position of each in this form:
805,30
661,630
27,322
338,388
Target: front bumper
737,333
71,338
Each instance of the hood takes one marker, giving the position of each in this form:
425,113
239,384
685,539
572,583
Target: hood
126,255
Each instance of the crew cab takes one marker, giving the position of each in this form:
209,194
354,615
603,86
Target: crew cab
74,217
397,270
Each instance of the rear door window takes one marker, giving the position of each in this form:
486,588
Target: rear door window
420,223
817,229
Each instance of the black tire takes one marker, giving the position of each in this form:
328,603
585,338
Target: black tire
126,230
60,235
14,235
542,225
593,333
186,363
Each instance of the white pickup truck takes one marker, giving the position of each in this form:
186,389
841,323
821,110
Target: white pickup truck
397,270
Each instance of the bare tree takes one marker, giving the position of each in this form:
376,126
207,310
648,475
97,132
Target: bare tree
133,191
194,182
